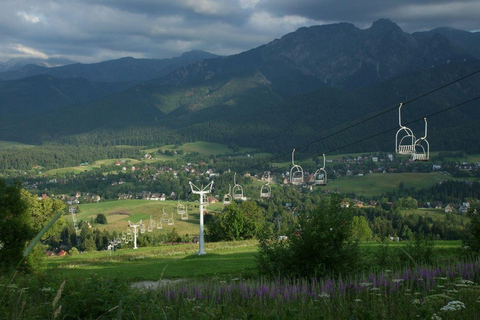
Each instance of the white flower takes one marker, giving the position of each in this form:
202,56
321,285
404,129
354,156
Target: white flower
435,317
324,295
453,306
358,300
397,280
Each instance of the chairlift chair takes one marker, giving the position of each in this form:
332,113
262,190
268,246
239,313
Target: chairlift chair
142,228
422,147
185,216
170,221
237,191
296,172
123,237
266,190
164,215
159,225
181,209
151,225
320,176
404,139
227,198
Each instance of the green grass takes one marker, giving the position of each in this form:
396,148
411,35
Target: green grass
435,214
223,259
118,214
377,183
226,259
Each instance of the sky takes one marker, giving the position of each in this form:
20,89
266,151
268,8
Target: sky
90,31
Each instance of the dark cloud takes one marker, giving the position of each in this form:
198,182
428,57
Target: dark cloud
94,30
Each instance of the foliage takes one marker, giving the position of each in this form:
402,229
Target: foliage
360,229
101,219
321,243
236,222
15,227
442,291
472,237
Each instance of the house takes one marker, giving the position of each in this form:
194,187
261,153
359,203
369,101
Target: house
375,159
449,208
436,167
162,197
463,209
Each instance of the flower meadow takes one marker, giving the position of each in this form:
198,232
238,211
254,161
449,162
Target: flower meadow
441,292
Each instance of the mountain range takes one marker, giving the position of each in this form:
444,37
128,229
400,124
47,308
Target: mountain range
283,94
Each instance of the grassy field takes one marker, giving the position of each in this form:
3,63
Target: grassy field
377,183
223,259
203,148
435,214
118,214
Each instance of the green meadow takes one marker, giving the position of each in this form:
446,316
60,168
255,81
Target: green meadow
118,214
375,184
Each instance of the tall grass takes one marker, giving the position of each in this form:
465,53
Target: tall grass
439,292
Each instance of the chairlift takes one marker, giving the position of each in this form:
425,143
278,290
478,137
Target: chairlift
320,176
422,147
237,191
404,139
151,225
164,215
266,190
170,221
296,172
159,225
142,228
129,232
227,198
185,216
123,237
181,209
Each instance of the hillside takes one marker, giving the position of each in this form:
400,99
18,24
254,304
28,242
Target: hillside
281,95
121,70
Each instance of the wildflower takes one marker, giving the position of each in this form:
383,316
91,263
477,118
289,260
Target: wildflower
416,301
453,306
46,289
397,280
466,282
358,300
435,317
375,289
324,295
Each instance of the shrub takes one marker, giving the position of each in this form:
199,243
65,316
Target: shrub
73,252
321,242
101,219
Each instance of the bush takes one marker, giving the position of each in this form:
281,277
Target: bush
101,219
322,242
73,252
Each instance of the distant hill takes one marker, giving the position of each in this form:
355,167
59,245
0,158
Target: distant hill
18,63
468,42
120,70
284,94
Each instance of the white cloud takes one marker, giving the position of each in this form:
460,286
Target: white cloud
248,4
266,22
28,17
30,52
